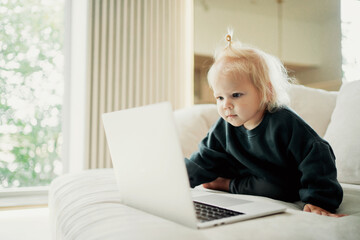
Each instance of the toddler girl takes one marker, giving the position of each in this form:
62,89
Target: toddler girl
259,146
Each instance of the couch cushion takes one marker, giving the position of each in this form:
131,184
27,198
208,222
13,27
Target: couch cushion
315,106
87,206
193,124
343,133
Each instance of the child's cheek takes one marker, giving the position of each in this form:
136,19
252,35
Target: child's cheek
221,112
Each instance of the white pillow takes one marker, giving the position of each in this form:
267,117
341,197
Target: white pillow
315,106
193,124
343,133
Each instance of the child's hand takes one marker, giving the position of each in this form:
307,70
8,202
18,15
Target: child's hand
221,184
318,210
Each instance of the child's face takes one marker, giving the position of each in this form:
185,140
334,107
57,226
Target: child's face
238,101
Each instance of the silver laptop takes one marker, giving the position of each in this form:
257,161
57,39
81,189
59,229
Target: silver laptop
152,177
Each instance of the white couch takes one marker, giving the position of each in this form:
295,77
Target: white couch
86,205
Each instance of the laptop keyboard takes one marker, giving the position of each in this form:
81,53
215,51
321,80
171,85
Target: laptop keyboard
205,212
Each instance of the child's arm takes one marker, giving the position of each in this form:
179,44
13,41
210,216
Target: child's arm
320,187
208,162
197,173
222,184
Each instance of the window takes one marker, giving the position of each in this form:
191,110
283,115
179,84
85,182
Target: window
31,91
350,25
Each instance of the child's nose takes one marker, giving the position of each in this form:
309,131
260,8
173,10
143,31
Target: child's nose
227,104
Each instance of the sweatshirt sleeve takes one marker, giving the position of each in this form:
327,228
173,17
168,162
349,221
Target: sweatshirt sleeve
319,185
206,164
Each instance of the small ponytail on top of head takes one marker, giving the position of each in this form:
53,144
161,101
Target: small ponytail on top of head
229,36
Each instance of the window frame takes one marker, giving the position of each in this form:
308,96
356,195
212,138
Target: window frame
76,48
24,196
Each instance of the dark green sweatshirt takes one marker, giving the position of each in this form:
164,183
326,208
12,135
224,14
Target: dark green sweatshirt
282,151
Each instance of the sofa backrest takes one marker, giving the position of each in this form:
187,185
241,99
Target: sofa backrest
315,106
193,124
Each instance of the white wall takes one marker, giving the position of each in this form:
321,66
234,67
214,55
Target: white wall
311,46
301,43
210,28
331,58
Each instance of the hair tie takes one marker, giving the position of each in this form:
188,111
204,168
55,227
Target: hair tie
228,39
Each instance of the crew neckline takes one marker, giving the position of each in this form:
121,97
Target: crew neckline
262,125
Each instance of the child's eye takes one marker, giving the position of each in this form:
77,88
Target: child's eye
236,95
219,98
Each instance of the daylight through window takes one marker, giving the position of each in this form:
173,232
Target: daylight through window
350,25
31,91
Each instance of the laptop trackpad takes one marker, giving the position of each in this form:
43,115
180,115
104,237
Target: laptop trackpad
218,200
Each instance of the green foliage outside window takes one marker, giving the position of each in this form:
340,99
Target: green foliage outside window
31,91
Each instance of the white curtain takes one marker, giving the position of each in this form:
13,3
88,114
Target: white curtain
139,52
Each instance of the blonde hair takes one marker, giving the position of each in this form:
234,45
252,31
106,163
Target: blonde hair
266,72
